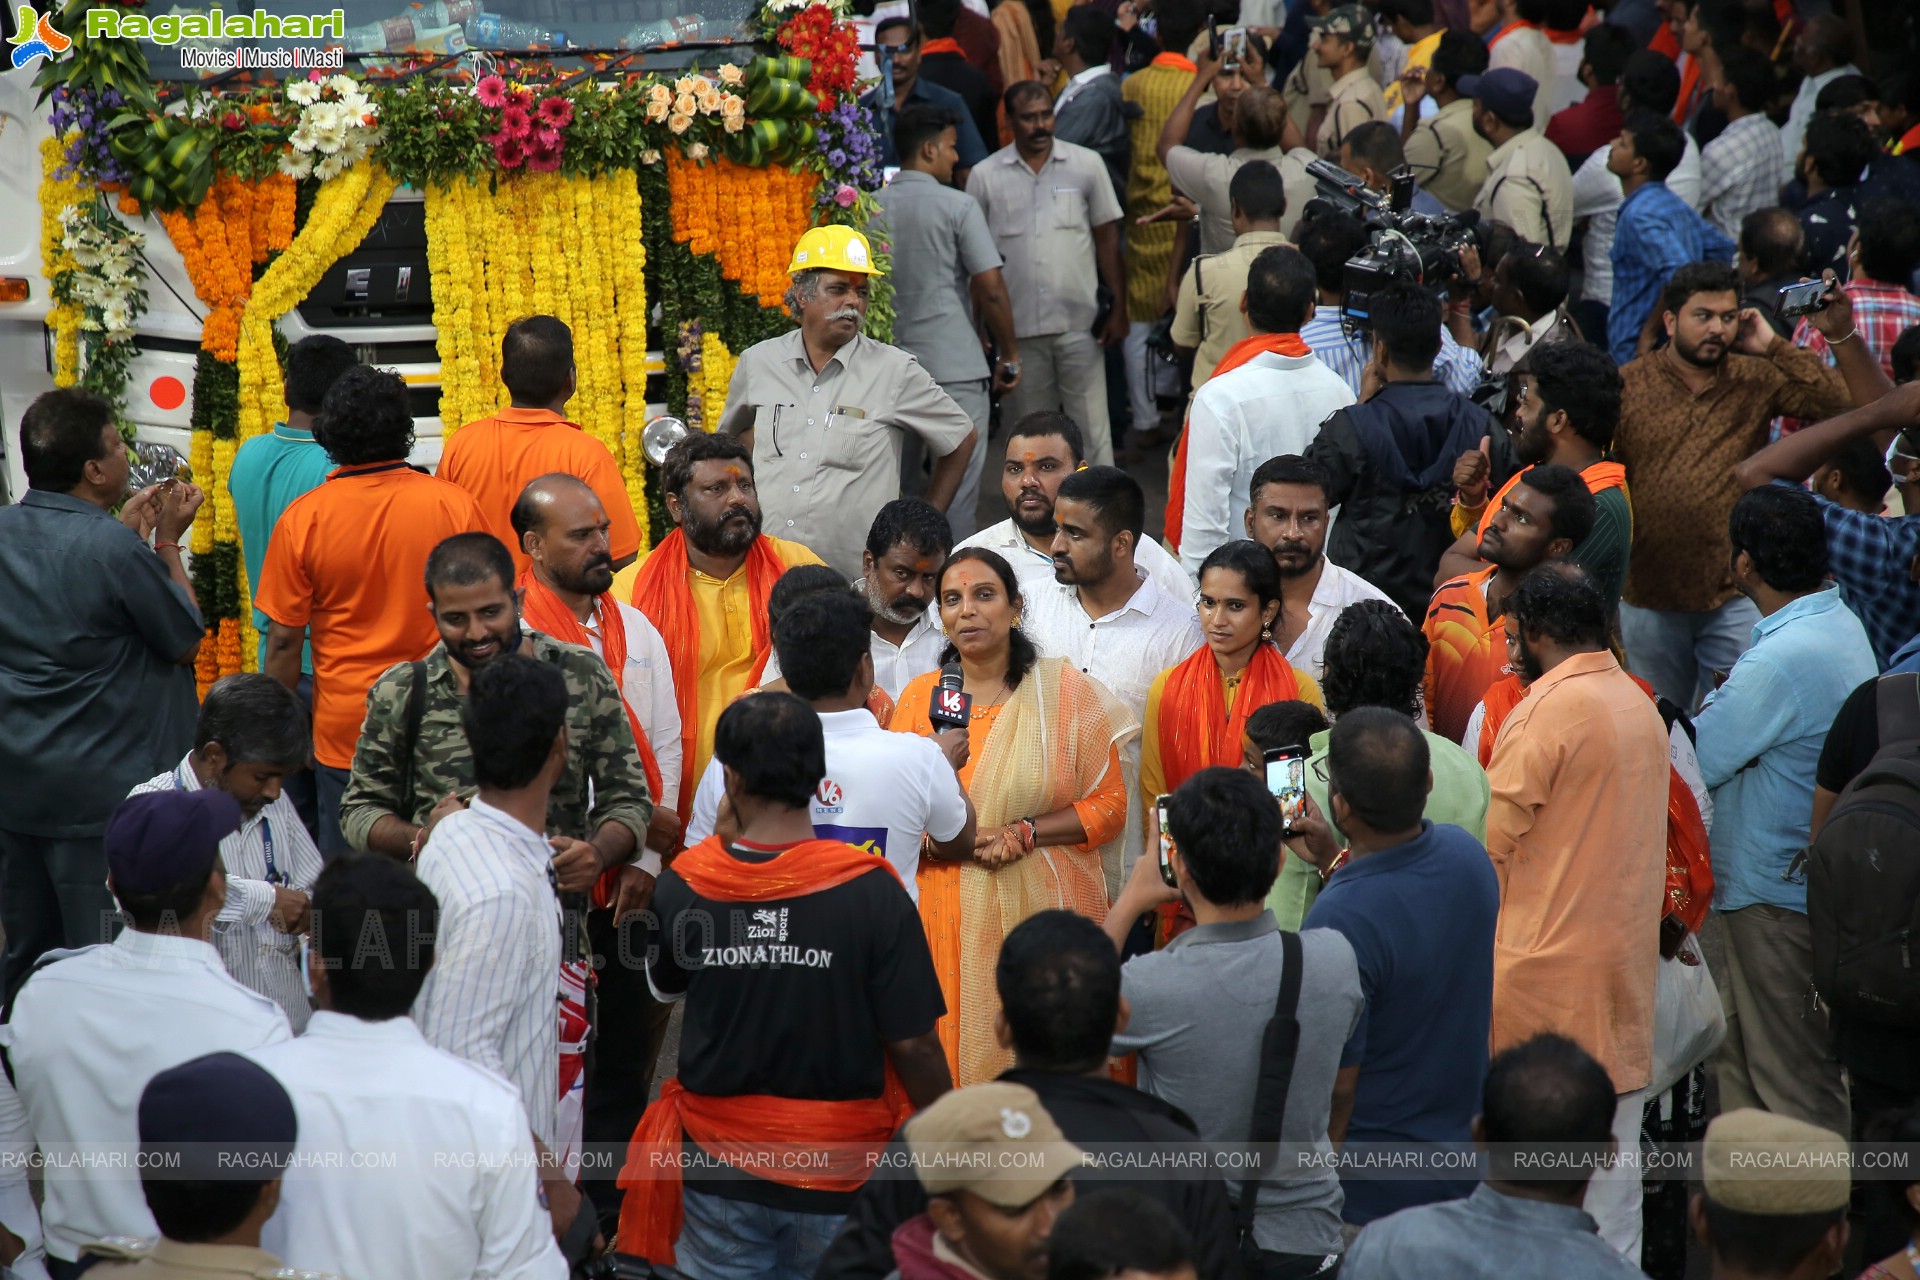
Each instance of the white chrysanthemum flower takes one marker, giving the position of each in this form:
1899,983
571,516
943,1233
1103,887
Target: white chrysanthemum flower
304,92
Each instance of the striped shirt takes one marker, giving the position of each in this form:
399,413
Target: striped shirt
1347,353
1740,171
491,995
271,849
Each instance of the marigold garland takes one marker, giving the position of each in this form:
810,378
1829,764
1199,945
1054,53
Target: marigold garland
747,219
56,196
544,243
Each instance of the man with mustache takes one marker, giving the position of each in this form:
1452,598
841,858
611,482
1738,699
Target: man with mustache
825,412
1287,514
1043,449
1689,414
412,766
705,586
1056,223
1543,517
906,545
253,734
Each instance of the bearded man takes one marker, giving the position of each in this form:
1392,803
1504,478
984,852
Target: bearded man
705,587
1287,514
1043,449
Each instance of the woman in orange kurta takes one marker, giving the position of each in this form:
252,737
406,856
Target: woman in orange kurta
1040,759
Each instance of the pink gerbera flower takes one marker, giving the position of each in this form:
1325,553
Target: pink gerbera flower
509,152
492,92
515,122
522,98
557,112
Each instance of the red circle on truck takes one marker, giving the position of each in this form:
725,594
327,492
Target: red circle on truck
167,392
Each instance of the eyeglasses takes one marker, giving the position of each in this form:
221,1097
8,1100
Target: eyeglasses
1320,770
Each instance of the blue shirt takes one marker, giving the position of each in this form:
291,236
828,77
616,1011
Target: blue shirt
1421,920
1759,738
1871,558
93,698
1656,235
269,472
1347,353
1487,1236
966,133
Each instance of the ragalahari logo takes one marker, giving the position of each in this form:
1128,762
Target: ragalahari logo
35,39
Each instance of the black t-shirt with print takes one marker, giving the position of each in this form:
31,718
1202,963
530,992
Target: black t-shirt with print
792,997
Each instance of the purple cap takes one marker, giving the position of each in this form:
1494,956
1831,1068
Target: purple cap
1506,92
161,839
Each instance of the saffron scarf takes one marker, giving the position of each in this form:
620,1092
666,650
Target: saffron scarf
662,591
552,615
1600,477
1280,344
944,44
1197,729
1509,29
847,1133
1176,61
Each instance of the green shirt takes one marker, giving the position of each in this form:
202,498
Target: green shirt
1603,552
603,782
269,472
1460,795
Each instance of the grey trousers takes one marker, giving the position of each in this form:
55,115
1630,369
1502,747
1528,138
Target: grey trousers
53,894
1068,372
1777,1055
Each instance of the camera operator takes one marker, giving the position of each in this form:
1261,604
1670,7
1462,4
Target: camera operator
1373,151
1391,456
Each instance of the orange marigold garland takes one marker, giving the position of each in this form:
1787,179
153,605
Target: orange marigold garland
746,219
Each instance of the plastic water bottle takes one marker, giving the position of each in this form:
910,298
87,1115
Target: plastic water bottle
491,31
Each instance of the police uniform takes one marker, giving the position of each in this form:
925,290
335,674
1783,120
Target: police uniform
124,1258
1207,316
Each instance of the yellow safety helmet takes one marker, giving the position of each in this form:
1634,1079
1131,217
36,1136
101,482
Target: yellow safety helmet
834,248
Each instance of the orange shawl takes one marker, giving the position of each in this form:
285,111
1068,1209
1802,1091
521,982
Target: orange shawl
1600,477
1689,861
661,591
1282,344
846,1133
1197,730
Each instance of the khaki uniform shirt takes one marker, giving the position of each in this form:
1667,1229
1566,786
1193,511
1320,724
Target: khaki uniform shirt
1354,99
1310,85
1530,188
126,1259
1448,157
1042,224
826,446
1207,317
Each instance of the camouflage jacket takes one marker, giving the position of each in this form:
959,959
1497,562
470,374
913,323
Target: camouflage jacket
604,781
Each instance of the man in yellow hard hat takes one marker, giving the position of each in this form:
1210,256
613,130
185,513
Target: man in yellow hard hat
826,409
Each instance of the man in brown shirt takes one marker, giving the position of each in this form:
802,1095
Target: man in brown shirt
1689,413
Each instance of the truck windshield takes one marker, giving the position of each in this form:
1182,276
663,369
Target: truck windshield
438,27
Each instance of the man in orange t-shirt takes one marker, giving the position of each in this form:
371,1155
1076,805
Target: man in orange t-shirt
349,560
1543,517
495,458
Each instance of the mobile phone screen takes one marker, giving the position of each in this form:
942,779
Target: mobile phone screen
1287,782
1166,843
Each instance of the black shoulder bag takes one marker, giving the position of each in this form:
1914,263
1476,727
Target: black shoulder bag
1279,1046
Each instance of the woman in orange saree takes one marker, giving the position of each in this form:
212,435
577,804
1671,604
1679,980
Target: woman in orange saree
1040,759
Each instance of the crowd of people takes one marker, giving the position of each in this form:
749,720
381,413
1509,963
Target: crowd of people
1502,742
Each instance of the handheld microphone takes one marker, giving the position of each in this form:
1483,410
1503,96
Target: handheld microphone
952,706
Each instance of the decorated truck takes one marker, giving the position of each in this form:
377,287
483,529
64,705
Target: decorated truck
191,190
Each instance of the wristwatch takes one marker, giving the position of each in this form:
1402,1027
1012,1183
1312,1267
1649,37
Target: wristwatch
1010,366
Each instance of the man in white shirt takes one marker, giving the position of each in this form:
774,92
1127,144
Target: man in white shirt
1649,83
882,790
253,733
91,1027
906,545
1823,53
491,995
1287,514
1102,613
364,1079
1270,404
563,528
1042,450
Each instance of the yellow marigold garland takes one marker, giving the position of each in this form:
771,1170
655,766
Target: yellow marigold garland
550,245
56,195
716,372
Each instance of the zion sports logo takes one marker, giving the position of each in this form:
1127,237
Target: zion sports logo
35,39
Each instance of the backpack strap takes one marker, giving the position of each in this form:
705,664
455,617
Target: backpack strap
1279,1046
416,713
1896,701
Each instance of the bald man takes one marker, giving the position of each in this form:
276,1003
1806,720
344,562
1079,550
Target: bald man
563,531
